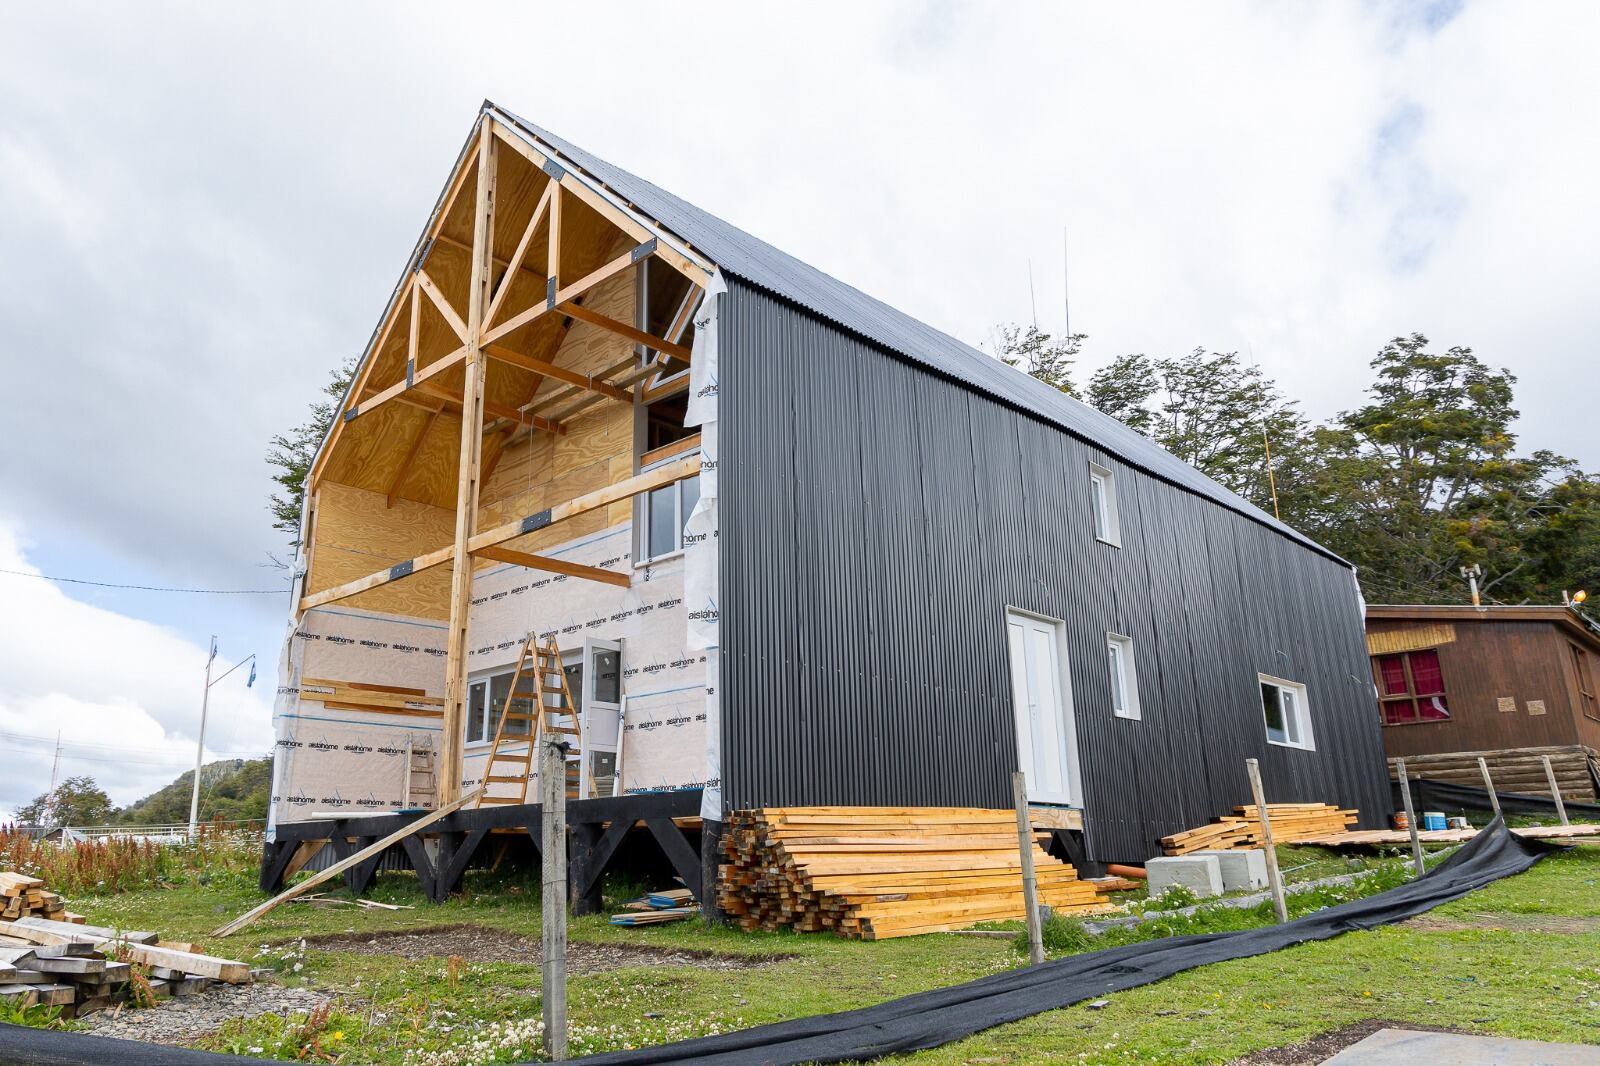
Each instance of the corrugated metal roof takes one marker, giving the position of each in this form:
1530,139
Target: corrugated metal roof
737,252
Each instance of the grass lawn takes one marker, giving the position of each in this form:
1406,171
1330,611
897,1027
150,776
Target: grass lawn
1520,958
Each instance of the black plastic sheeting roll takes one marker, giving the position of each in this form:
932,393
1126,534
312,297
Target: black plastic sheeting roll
930,1019
1446,796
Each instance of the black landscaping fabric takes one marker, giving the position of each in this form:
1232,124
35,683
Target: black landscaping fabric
1448,797
930,1019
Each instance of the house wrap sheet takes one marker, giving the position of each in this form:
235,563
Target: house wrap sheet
700,538
332,759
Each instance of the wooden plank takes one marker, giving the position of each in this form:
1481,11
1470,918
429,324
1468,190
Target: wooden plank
225,970
75,929
556,566
515,262
638,336
419,381
560,373
338,868
451,318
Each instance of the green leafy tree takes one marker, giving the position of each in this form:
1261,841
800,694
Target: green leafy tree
75,801
292,453
1124,389
1041,355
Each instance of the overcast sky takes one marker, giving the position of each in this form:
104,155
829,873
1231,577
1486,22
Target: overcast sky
202,213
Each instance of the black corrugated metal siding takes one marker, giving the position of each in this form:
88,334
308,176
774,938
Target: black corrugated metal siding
877,521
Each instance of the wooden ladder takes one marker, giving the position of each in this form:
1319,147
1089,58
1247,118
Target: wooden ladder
542,663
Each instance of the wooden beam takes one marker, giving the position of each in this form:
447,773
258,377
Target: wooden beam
687,467
589,501
448,771
569,293
417,380
498,410
638,336
560,373
452,319
522,249
344,864
411,453
555,566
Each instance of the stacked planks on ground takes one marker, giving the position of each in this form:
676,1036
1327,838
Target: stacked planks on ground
1291,823
879,872
22,896
1519,770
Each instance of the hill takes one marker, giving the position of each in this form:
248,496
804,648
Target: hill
229,789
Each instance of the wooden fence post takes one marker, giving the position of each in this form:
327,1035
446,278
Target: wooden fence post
1488,785
1555,789
1411,818
553,825
1030,881
1274,878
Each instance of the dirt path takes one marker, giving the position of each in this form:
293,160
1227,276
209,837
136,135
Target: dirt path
187,1018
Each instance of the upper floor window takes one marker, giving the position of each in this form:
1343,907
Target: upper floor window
1586,687
1287,714
1103,498
1411,687
663,511
1124,682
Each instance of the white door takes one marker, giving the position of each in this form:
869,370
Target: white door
601,704
1047,745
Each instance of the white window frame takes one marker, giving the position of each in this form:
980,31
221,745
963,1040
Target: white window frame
1297,726
1103,505
486,680
1119,661
641,514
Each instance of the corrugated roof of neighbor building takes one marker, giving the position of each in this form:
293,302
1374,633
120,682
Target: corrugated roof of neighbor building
759,263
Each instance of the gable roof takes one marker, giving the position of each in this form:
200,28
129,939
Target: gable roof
759,263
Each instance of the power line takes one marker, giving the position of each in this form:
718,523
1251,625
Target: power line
182,760
146,588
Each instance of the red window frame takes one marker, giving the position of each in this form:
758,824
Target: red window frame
1403,699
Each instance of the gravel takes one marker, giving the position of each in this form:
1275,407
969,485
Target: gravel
182,1019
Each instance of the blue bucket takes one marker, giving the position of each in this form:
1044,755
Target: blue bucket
1433,821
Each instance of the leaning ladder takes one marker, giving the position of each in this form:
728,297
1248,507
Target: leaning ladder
542,663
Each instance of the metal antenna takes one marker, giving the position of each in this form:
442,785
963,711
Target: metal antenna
1272,478
1032,303
1066,301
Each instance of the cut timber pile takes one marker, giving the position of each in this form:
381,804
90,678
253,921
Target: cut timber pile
1518,770
881,872
22,897
653,908
82,968
1291,822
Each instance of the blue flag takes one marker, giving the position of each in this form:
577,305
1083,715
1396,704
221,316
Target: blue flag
251,682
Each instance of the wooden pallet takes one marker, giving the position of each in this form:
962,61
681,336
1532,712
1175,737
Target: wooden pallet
1291,823
878,872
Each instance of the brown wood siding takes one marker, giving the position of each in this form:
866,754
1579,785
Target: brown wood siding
1487,662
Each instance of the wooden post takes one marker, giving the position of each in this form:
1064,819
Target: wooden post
1411,818
1555,789
553,898
448,774
1274,878
1030,881
1488,785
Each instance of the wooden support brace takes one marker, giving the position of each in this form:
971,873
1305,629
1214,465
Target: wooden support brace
556,566
638,336
683,858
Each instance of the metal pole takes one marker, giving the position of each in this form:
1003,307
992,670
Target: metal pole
1411,818
1555,789
200,745
1030,881
553,845
1488,785
1274,878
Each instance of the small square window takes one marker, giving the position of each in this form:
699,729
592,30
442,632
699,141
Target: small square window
1103,499
1124,681
1288,719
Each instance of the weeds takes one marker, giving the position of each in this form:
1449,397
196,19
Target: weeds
217,855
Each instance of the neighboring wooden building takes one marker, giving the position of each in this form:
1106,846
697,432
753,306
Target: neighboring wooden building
1463,679
793,548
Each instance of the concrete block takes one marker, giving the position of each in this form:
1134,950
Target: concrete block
1200,874
1244,870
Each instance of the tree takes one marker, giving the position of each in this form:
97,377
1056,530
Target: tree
75,801
1038,354
1123,389
292,454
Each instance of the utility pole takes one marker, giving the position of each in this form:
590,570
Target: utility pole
50,797
200,745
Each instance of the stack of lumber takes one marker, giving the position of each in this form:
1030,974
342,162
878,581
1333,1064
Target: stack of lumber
879,872
1291,823
82,968
653,908
1519,770
23,897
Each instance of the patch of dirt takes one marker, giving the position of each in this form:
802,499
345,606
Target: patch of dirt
186,1018
1321,1048
477,943
1518,923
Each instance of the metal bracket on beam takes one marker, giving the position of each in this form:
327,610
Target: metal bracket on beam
535,522
422,256
350,413
399,570
411,367
644,249
554,169
549,293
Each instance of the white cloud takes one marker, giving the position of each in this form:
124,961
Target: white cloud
124,694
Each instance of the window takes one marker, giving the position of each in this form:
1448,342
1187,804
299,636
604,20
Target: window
1586,687
1410,687
1124,683
1103,498
1288,718
662,512
486,702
